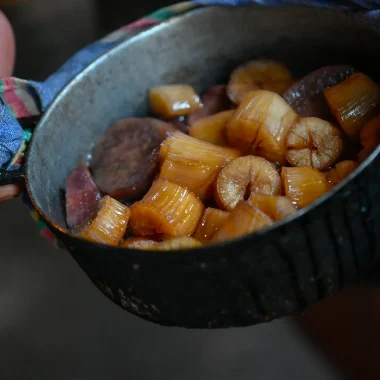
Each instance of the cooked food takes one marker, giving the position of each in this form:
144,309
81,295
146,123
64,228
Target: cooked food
214,167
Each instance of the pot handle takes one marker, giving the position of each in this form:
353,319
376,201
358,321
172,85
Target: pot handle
9,177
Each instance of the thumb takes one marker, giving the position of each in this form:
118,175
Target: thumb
7,47
7,59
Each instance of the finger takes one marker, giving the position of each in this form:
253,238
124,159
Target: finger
7,47
10,191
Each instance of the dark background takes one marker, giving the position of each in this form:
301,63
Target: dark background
54,324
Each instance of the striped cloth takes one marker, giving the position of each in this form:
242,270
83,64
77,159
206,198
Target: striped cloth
21,99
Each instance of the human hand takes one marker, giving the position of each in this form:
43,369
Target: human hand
7,60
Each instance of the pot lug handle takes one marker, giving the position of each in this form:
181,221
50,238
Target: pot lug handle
12,177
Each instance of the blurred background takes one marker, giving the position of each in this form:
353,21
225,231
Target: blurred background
54,324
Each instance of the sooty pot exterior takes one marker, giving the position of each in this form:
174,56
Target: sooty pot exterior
259,277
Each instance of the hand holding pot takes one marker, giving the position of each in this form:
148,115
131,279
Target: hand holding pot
7,58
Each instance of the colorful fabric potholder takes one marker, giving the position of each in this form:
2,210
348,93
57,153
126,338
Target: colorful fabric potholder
22,99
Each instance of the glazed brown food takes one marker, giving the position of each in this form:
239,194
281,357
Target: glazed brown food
167,210
237,171
369,137
260,125
215,100
313,142
354,102
263,74
306,95
126,158
82,196
243,177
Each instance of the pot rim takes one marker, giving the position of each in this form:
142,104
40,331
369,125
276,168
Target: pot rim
256,236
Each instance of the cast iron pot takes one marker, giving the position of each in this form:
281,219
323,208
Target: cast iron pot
285,268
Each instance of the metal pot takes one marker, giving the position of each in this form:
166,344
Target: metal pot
285,268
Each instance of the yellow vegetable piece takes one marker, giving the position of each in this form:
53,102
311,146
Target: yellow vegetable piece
276,207
167,210
212,128
340,171
260,125
369,137
243,176
192,163
313,142
210,222
174,100
354,102
138,243
263,74
303,185
183,242
243,219
109,225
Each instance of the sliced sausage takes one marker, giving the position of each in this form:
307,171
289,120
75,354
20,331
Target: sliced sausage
306,95
126,158
82,196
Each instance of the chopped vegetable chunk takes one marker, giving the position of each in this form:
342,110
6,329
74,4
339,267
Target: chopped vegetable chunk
174,100
260,125
166,210
354,102
258,75
109,225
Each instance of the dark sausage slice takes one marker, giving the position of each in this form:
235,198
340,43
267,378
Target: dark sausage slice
82,196
214,100
306,95
126,158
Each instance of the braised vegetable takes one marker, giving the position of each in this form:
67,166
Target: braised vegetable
109,225
212,128
215,100
258,75
166,210
243,219
313,142
244,176
192,163
183,242
212,219
237,171
174,100
138,243
340,171
369,137
306,95
260,125
276,207
354,102
303,185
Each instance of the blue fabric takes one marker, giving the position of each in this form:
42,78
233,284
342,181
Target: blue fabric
11,133
342,5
